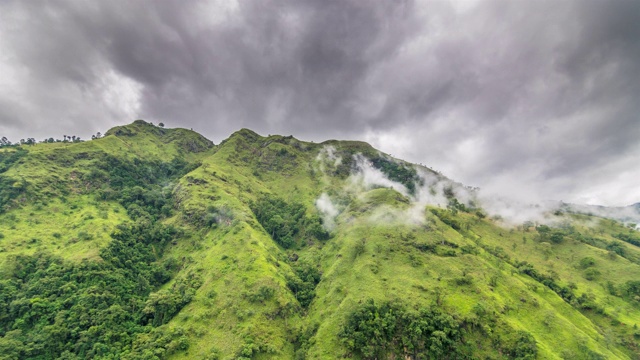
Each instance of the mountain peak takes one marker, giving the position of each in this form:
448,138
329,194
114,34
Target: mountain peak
146,132
134,128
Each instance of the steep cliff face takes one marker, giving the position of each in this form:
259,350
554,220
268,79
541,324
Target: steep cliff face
154,243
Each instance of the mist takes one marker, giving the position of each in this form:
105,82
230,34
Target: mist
434,189
367,177
328,210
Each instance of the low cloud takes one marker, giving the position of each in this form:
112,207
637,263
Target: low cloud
514,212
328,210
327,159
430,191
368,177
434,189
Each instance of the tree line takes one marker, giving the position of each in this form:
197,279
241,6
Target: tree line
4,142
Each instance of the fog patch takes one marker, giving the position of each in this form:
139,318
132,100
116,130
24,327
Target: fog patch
328,157
430,191
433,189
367,177
328,210
628,215
515,212
436,190
386,214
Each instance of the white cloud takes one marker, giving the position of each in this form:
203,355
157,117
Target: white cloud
451,85
368,177
328,210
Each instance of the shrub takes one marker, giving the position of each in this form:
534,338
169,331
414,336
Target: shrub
264,293
591,274
84,236
587,262
520,345
360,247
617,248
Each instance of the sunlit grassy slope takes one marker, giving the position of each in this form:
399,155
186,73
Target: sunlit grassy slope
384,245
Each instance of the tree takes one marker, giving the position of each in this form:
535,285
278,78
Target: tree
520,345
161,125
303,284
617,248
543,229
161,306
556,237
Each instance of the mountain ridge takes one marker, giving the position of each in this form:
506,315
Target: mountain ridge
272,247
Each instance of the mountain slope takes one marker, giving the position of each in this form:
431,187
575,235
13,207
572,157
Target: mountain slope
270,247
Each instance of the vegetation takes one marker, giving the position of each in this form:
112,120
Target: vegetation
286,222
53,308
304,282
398,172
152,243
8,158
389,331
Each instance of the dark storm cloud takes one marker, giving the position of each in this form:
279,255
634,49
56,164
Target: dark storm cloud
524,97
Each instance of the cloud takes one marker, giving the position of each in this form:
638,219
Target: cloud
540,96
429,191
434,189
327,157
367,177
626,214
328,210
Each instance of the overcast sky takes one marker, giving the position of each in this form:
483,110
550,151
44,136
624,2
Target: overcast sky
536,99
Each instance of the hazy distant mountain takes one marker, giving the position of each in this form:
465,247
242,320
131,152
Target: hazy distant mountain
626,214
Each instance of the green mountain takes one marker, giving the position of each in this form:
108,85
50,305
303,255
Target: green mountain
153,243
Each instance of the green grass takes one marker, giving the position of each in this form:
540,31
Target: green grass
74,229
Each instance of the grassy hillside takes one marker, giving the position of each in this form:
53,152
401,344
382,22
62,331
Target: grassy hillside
154,243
